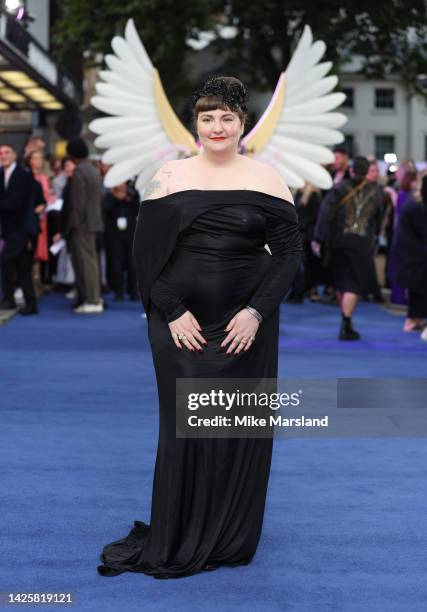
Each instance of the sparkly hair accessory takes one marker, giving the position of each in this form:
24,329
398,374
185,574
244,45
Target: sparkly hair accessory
233,94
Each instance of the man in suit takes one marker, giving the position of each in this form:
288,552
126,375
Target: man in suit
82,220
19,225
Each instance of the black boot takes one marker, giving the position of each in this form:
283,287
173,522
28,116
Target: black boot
346,330
28,309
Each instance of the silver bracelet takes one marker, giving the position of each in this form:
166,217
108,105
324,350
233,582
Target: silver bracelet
254,312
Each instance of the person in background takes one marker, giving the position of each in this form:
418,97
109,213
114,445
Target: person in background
62,170
341,165
69,167
20,228
120,208
103,169
407,182
64,268
349,220
381,249
101,247
35,162
408,258
307,203
34,143
390,197
340,171
59,178
83,220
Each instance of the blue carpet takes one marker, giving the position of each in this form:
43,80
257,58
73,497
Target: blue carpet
345,524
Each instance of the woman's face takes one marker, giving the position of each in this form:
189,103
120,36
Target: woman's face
120,191
36,162
219,130
69,167
56,166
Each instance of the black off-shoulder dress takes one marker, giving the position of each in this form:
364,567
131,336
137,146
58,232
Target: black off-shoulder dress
203,251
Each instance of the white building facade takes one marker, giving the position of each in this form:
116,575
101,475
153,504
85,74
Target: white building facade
383,119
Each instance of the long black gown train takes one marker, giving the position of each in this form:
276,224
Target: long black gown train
203,251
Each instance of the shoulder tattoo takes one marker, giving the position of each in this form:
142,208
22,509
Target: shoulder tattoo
152,188
167,171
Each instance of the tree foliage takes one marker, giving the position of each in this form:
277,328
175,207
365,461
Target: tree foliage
164,25
390,36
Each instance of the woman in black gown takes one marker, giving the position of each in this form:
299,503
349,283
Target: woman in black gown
201,267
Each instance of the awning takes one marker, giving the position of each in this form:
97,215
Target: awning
29,77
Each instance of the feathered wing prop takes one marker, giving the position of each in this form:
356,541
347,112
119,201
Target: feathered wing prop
143,131
297,123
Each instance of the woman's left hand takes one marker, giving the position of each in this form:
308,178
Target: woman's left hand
241,332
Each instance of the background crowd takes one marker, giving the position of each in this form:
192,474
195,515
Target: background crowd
62,230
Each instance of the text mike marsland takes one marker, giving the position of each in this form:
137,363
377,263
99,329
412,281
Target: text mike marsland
251,421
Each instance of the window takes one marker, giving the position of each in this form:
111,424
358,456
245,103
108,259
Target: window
348,145
383,144
384,98
349,101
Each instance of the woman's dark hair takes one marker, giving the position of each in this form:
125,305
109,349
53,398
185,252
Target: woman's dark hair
225,93
407,180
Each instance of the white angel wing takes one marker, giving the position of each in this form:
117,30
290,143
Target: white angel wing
143,130
297,124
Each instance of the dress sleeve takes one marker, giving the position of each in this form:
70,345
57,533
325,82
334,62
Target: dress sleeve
284,241
167,301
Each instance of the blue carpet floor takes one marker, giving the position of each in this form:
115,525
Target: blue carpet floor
345,526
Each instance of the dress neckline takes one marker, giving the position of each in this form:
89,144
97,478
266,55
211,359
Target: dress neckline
262,193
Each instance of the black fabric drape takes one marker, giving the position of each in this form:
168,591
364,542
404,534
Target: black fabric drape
160,221
204,250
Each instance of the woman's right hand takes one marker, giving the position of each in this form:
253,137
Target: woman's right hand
187,326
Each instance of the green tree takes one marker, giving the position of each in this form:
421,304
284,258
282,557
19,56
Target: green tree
163,25
389,35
